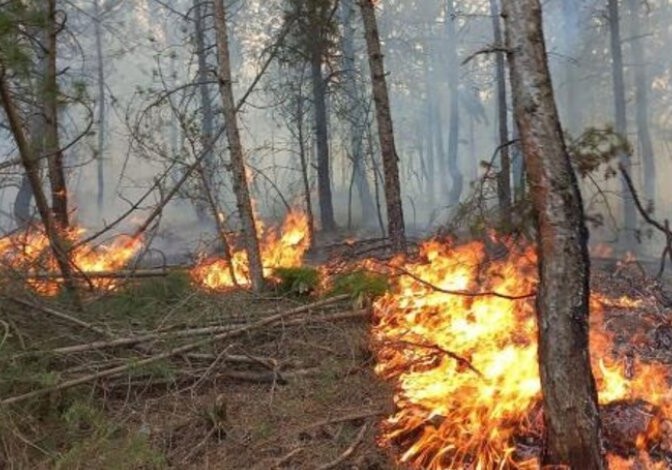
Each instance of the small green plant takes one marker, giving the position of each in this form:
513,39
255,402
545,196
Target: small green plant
361,284
298,281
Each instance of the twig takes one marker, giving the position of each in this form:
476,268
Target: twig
287,457
170,353
460,360
348,452
665,229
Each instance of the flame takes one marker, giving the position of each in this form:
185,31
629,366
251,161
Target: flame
465,366
283,248
28,252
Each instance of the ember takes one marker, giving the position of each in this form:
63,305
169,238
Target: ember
465,366
284,248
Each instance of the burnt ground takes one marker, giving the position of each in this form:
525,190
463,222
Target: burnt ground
297,394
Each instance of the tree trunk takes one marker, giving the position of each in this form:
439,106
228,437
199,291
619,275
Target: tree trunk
322,139
59,194
569,394
395,213
642,101
28,160
504,176
629,214
101,105
431,159
300,113
239,176
454,119
207,120
356,113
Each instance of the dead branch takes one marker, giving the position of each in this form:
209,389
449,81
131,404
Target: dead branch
123,274
663,228
405,272
434,347
348,452
208,330
172,352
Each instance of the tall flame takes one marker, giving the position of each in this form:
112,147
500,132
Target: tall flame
465,367
284,248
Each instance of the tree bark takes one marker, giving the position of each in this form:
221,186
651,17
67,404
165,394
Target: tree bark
356,112
300,113
395,213
101,105
239,175
28,160
569,393
629,214
454,119
59,194
504,176
642,101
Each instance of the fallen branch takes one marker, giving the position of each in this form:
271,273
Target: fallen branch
433,347
124,274
348,452
60,315
172,352
134,340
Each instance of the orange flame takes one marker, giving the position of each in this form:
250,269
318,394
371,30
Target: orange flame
465,367
285,248
28,253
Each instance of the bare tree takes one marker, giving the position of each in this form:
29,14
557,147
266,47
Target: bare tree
504,176
238,171
100,154
457,180
356,112
395,213
59,193
620,116
642,100
569,394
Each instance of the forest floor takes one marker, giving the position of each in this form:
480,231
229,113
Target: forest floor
233,381
298,392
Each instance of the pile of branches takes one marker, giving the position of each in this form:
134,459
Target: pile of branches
111,360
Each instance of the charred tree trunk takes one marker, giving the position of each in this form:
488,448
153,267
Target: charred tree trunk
504,176
319,86
395,213
240,187
456,177
642,101
101,105
569,394
28,160
207,120
59,194
356,115
629,214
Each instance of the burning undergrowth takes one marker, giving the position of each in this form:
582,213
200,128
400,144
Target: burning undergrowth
27,254
457,337
283,248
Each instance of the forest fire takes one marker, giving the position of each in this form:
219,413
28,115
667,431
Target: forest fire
465,366
284,248
28,253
